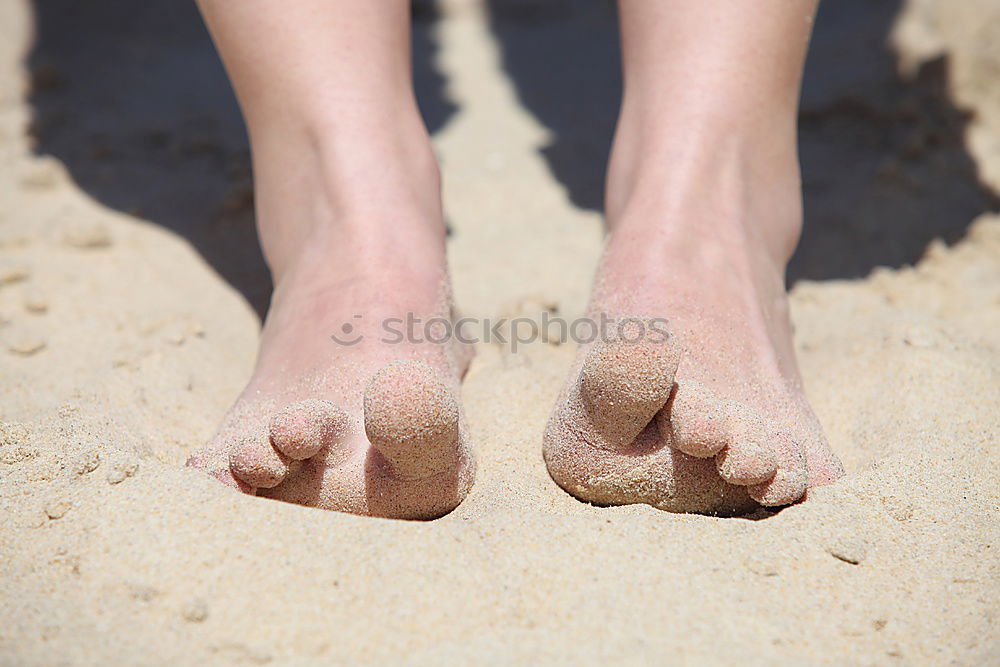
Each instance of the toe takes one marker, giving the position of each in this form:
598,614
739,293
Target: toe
302,429
217,467
412,420
255,462
748,458
823,465
791,478
695,421
624,384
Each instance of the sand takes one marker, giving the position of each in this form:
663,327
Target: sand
129,287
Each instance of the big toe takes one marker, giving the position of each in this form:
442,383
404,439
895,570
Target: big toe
412,418
624,384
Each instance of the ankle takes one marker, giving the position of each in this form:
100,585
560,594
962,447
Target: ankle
380,174
737,190
331,190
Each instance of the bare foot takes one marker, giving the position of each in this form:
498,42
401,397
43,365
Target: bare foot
343,412
715,420
366,427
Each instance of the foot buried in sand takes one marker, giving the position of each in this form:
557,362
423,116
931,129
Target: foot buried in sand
625,431
371,427
407,457
713,420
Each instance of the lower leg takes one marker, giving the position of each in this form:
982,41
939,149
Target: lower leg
325,89
708,82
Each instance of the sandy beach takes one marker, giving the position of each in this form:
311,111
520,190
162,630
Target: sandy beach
131,292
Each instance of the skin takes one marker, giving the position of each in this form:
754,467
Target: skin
703,211
349,217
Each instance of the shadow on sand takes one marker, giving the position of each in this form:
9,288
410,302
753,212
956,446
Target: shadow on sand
885,170
133,99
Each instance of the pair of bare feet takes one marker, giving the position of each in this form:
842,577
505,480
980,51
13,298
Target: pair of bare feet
712,421
704,210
